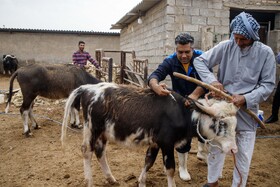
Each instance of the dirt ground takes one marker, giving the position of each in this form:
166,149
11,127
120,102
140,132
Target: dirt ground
39,160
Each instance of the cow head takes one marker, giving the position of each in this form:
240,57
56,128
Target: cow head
10,63
217,123
8,58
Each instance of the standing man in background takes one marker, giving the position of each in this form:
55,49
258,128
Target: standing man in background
81,57
182,62
247,71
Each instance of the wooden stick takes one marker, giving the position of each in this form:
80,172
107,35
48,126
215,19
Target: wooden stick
200,83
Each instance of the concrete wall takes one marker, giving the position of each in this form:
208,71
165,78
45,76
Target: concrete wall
154,38
53,47
149,39
207,20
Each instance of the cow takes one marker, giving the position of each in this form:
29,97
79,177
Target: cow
137,116
10,64
49,81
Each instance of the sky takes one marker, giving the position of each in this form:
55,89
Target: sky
79,15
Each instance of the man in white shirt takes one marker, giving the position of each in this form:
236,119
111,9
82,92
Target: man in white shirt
247,71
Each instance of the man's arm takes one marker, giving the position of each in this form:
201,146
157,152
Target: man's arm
160,89
94,62
199,91
74,58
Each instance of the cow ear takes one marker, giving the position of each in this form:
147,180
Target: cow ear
233,108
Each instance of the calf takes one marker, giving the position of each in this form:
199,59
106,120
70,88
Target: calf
138,116
49,81
10,64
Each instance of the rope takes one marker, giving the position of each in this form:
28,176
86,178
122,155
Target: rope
234,160
44,117
206,141
263,137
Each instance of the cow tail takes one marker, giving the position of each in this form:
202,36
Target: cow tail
10,91
76,93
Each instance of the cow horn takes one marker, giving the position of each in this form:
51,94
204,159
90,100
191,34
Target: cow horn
212,88
9,56
206,109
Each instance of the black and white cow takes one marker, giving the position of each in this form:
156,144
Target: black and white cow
49,81
137,116
10,64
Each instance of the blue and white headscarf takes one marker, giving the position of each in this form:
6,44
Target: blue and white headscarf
245,25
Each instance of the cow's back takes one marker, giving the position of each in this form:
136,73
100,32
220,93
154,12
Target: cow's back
52,81
138,112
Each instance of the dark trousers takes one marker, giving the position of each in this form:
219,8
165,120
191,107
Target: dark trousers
276,101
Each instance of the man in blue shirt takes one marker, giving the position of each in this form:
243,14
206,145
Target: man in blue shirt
182,62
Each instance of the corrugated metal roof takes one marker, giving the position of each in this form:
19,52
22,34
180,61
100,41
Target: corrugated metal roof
135,13
58,31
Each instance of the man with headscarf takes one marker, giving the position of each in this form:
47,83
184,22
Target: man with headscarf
247,71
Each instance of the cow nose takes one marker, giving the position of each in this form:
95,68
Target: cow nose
229,146
234,151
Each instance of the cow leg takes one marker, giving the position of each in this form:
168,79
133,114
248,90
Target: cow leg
87,154
106,169
32,119
26,130
74,119
202,152
74,116
150,158
25,113
183,169
169,163
100,152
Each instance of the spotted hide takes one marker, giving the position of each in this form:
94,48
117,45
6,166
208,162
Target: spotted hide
137,116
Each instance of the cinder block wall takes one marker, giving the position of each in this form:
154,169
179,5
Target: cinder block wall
207,21
154,38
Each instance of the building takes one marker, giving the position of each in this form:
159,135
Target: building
151,26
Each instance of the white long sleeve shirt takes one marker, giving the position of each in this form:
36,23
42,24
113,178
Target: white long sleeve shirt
250,72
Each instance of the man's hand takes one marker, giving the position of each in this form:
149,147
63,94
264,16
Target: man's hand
192,96
238,100
219,86
161,89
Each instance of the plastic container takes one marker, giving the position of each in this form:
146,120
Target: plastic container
260,116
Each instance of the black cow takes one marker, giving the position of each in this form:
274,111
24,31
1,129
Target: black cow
10,64
50,81
138,116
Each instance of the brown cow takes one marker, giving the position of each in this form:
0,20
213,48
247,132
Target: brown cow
49,81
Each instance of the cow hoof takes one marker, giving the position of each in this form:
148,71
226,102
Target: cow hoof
112,181
74,126
184,175
37,127
28,134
